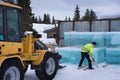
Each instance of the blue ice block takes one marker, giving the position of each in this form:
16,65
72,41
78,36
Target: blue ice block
112,39
115,40
82,38
99,39
72,55
76,39
107,39
99,54
113,55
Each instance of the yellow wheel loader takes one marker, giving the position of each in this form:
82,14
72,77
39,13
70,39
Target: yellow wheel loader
17,53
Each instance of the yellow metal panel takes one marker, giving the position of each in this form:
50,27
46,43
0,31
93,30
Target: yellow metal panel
40,58
28,48
28,44
10,5
8,48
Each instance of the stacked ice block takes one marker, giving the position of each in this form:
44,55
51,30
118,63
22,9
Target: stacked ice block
108,46
81,38
113,47
113,55
72,55
99,55
112,39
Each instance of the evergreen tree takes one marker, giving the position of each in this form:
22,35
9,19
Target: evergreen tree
11,1
39,19
53,20
26,15
69,19
89,15
35,20
93,15
46,19
76,14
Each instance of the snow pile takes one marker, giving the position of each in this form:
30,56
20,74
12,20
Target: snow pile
40,28
48,40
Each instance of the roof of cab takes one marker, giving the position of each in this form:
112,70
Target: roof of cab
9,5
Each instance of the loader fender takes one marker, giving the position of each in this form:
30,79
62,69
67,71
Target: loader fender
4,58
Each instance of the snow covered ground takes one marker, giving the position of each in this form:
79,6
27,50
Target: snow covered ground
111,72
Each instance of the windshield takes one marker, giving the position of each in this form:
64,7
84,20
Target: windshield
1,25
13,25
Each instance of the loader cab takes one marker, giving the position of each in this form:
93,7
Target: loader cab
9,22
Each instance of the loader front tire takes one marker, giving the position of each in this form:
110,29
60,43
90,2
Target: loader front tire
12,70
48,68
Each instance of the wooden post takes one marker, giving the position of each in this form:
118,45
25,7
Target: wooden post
90,25
109,25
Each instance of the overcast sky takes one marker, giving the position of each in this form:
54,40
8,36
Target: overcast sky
62,8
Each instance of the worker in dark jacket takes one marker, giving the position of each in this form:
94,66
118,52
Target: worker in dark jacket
87,52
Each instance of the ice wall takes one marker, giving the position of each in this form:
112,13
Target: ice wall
113,55
107,42
72,55
103,39
81,38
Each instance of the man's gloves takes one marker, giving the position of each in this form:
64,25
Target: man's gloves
92,59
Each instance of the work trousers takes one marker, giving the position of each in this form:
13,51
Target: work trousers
83,56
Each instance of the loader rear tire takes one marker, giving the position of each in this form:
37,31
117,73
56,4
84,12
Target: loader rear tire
12,70
48,68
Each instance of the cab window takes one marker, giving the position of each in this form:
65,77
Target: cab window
13,25
1,24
